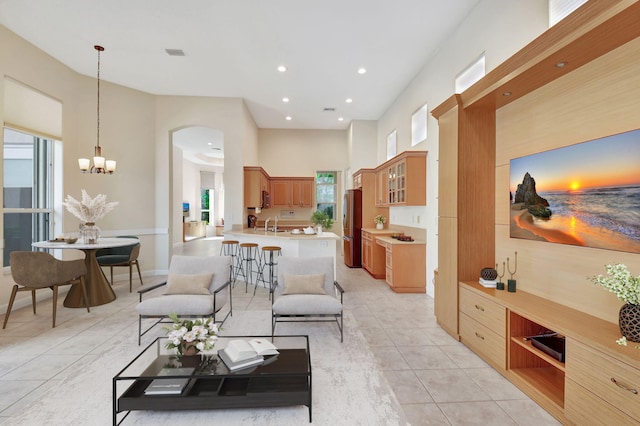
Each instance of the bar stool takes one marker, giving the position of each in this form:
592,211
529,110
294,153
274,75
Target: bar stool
269,254
231,248
248,257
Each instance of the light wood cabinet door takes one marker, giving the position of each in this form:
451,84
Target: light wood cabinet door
281,193
302,193
382,180
252,188
366,250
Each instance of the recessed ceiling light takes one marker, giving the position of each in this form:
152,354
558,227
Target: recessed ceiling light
209,143
561,64
362,70
506,94
289,118
282,68
349,100
285,99
174,52
340,119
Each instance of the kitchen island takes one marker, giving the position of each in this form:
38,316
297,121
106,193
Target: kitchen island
293,245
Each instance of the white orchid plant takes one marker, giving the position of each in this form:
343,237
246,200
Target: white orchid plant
89,210
199,332
620,281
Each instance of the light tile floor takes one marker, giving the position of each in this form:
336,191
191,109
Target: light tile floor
437,380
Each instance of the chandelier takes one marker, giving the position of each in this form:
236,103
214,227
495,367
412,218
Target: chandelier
100,164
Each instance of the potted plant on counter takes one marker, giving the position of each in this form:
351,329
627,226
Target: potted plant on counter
321,220
379,220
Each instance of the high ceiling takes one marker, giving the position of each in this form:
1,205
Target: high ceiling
233,48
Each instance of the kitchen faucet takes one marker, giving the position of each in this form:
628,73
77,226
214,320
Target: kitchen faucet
266,224
275,229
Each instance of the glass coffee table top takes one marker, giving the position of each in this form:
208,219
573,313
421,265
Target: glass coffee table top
204,382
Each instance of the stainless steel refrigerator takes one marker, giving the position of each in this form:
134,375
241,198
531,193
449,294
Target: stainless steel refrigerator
352,222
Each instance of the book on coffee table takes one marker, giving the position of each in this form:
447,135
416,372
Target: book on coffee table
239,365
240,349
172,386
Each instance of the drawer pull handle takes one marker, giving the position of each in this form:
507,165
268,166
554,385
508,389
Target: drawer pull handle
480,308
482,337
621,386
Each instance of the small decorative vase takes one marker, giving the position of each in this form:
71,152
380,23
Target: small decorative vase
319,230
379,225
189,349
629,321
90,233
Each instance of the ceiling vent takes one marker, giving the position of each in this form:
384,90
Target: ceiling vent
329,109
174,52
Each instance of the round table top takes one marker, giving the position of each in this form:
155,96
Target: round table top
102,243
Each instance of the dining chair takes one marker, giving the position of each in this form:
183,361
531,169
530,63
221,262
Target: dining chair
33,271
126,256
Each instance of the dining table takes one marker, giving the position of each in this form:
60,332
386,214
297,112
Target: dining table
99,291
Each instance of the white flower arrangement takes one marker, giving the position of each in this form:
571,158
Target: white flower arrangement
89,210
620,281
201,333
380,219
625,286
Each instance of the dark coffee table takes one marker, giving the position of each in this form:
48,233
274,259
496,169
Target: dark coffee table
285,381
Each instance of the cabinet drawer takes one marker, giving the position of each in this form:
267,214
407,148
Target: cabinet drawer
489,345
596,372
584,408
483,310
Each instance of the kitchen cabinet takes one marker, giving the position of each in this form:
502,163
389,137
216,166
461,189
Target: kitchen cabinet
402,181
373,255
256,180
405,265
292,192
382,180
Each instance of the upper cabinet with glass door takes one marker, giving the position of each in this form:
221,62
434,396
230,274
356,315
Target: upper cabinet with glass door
403,180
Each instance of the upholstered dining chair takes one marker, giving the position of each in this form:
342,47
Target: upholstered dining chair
306,291
33,271
121,256
196,287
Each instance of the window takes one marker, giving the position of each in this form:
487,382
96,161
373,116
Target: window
419,125
391,145
207,196
472,73
560,9
28,186
326,193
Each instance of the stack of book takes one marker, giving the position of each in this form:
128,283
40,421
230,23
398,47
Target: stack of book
240,354
487,283
173,386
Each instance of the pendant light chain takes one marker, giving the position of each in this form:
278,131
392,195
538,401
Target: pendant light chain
99,49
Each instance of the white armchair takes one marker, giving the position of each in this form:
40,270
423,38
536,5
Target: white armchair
306,290
197,286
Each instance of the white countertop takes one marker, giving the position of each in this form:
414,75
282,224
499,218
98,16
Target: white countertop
285,235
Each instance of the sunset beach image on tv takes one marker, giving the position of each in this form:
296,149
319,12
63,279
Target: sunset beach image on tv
586,194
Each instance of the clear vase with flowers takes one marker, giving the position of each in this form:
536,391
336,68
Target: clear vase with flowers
89,211
379,220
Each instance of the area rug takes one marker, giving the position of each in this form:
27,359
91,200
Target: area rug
348,386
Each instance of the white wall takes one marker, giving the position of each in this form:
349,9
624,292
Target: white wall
497,27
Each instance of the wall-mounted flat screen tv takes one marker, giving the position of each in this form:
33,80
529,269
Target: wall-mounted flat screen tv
586,194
